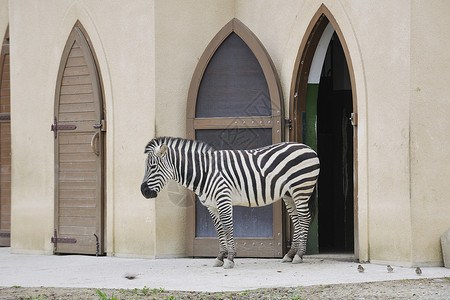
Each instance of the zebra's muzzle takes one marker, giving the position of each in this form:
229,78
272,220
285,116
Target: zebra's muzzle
146,192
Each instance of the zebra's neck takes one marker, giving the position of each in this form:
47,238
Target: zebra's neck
191,162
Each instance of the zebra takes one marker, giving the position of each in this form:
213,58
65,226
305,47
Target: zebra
222,178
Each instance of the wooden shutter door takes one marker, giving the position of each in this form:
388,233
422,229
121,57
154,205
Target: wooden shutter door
5,146
78,151
235,103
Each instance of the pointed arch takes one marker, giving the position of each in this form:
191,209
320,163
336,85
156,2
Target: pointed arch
303,62
263,58
79,149
235,102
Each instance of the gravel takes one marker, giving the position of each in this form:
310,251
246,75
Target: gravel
436,288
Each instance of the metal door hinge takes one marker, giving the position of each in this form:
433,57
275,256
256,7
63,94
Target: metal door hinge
97,245
5,117
55,240
354,119
288,123
55,127
5,234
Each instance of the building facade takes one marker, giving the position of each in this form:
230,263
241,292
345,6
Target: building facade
86,84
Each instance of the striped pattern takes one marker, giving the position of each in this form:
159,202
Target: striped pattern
5,146
224,178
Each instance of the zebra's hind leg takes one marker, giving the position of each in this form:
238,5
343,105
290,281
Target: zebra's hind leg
292,210
300,216
226,218
302,226
221,234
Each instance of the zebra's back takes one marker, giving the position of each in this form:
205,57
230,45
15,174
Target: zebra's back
262,176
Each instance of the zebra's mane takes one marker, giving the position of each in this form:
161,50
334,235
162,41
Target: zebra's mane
171,141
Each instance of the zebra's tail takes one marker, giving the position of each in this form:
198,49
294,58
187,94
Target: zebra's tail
312,204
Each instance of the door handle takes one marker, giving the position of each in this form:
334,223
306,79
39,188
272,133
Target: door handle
94,137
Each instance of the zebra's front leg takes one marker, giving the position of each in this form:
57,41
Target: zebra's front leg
225,209
221,234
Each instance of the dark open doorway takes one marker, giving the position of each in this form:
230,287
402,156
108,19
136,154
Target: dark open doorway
335,149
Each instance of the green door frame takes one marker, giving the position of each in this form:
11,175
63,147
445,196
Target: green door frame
310,139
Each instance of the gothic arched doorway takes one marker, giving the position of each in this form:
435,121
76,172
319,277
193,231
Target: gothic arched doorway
322,109
79,150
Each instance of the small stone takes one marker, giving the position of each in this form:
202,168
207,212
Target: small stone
130,276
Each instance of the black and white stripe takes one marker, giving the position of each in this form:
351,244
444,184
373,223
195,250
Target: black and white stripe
222,178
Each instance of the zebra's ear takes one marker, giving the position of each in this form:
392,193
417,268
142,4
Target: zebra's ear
162,150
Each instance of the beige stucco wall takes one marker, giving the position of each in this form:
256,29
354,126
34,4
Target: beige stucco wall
4,17
386,76
430,128
147,53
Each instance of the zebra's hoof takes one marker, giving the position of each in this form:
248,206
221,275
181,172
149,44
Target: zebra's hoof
228,264
286,258
218,263
297,259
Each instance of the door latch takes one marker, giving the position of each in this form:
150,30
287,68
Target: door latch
101,125
354,119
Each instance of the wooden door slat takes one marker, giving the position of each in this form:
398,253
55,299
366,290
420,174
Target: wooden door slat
76,52
76,138
76,71
79,212
77,176
78,224
76,80
76,62
76,148
77,157
82,194
76,230
81,98
76,89
76,203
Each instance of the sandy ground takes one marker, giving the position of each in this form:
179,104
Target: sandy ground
438,288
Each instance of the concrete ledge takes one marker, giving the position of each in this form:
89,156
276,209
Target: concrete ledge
407,264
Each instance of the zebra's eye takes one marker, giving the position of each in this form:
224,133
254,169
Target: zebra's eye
152,162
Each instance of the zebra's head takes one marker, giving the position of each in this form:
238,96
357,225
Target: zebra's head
157,168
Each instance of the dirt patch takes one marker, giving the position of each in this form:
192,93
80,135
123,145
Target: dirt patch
438,288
